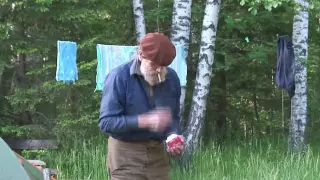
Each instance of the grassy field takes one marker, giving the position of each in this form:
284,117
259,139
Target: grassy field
254,160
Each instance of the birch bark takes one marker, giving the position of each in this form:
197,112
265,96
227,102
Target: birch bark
180,33
299,100
204,74
140,24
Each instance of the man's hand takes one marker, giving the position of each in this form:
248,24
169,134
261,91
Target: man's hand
157,120
175,144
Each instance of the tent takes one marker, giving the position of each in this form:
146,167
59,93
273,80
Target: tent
13,166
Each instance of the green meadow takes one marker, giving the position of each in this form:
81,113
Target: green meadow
251,160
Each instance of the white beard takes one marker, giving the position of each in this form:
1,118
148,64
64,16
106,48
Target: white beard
153,77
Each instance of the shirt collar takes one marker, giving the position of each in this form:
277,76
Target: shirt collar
135,66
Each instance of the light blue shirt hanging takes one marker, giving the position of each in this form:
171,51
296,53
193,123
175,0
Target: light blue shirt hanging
111,56
179,64
67,70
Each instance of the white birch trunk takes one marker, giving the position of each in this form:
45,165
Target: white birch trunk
180,33
204,74
138,15
299,100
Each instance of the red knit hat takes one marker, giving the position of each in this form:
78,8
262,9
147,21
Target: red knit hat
157,48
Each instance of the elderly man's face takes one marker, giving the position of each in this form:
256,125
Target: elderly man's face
152,72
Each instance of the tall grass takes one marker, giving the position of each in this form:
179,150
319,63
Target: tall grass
254,160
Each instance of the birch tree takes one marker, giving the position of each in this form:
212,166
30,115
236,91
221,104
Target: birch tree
300,43
299,100
204,74
180,33
138,15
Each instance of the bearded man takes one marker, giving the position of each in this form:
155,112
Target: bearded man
140,111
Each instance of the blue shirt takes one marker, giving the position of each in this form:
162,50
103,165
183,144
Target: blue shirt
125,96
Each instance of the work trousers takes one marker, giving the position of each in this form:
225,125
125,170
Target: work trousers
137,160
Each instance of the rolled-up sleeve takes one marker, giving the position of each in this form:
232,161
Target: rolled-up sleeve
112,118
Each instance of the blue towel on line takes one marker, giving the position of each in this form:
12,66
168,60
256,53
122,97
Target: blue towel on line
111,56
67,61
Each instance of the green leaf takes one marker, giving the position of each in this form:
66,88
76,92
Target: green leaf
242,2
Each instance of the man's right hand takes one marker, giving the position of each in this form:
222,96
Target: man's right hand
157,120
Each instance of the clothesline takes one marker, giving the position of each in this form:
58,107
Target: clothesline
108,57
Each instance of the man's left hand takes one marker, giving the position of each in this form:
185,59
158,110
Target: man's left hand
177,149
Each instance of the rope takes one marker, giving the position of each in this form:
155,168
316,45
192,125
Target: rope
158,16
282,109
